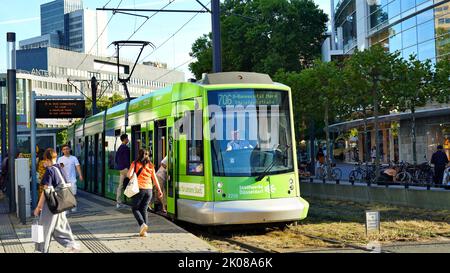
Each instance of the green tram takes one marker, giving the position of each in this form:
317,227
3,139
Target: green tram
215,177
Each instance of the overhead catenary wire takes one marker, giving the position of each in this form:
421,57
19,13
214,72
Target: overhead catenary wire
171,36
136,30
173,69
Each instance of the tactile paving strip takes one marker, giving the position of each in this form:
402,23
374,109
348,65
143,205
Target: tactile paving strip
8,237
89,240
94,200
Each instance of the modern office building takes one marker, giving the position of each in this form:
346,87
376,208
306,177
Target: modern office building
66,25
48,71
79,66
53,15
420,27
44,85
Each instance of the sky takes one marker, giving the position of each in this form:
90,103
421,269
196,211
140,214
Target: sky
23,18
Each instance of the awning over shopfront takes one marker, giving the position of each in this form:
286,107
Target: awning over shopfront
423,113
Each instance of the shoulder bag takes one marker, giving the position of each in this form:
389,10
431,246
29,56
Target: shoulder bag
61,198
133,187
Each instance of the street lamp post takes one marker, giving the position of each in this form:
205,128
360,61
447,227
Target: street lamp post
216,42
12,113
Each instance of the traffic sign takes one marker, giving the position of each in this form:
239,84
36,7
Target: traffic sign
372,221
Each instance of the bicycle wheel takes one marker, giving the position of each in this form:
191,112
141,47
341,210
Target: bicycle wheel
425,176
336,174
320,173
404,177
368,176
355,176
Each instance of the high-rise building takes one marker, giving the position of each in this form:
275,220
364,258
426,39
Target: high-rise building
86,31
53,15
65,24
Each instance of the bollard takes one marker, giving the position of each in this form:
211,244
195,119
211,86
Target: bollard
324,180
22,205
406,185
311,179
352,182
428,186
337,181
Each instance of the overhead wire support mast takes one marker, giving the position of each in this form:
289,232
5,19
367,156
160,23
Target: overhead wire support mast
215,22
119,45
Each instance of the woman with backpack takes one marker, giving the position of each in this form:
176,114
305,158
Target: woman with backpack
55,225
146,178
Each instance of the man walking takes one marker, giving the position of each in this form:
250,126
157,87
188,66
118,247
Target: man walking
122,161
71,166
440,161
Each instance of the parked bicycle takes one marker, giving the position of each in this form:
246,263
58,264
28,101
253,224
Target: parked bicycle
322,172
362,175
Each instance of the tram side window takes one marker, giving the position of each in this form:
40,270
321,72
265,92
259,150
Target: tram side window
195,144
110,139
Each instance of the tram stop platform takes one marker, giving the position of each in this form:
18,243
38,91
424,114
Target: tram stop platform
101,228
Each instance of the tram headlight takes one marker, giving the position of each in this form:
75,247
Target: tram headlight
291,184
219,185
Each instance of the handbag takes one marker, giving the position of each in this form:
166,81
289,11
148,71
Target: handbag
61,198
133,187
37,231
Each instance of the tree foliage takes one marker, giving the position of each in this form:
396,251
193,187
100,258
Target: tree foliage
441,81
104,102
264,36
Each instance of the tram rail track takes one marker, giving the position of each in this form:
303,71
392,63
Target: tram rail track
253,248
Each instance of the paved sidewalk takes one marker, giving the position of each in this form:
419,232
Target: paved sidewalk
101,228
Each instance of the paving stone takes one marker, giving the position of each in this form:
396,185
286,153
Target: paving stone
101,228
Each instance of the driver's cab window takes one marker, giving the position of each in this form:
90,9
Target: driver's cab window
194,142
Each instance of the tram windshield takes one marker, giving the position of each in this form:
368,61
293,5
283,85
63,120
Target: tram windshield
250,132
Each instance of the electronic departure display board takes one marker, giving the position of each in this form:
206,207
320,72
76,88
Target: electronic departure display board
60,109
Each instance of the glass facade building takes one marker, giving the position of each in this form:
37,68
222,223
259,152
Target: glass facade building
52,15
420,27
66,25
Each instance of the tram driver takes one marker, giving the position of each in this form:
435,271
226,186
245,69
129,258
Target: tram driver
236,144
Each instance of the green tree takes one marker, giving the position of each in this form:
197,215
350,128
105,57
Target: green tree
316,93
359,98
307,116
61,137
328,87
411,88
264,36
373,67
441,80
104,102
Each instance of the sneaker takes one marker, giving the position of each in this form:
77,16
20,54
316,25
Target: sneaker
143,230
118,206
145,234
73,250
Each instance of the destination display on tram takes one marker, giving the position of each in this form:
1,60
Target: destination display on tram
60,108
245,98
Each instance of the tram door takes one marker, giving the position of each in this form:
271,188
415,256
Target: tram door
135,141
99,165
171,168
147,139
90,174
